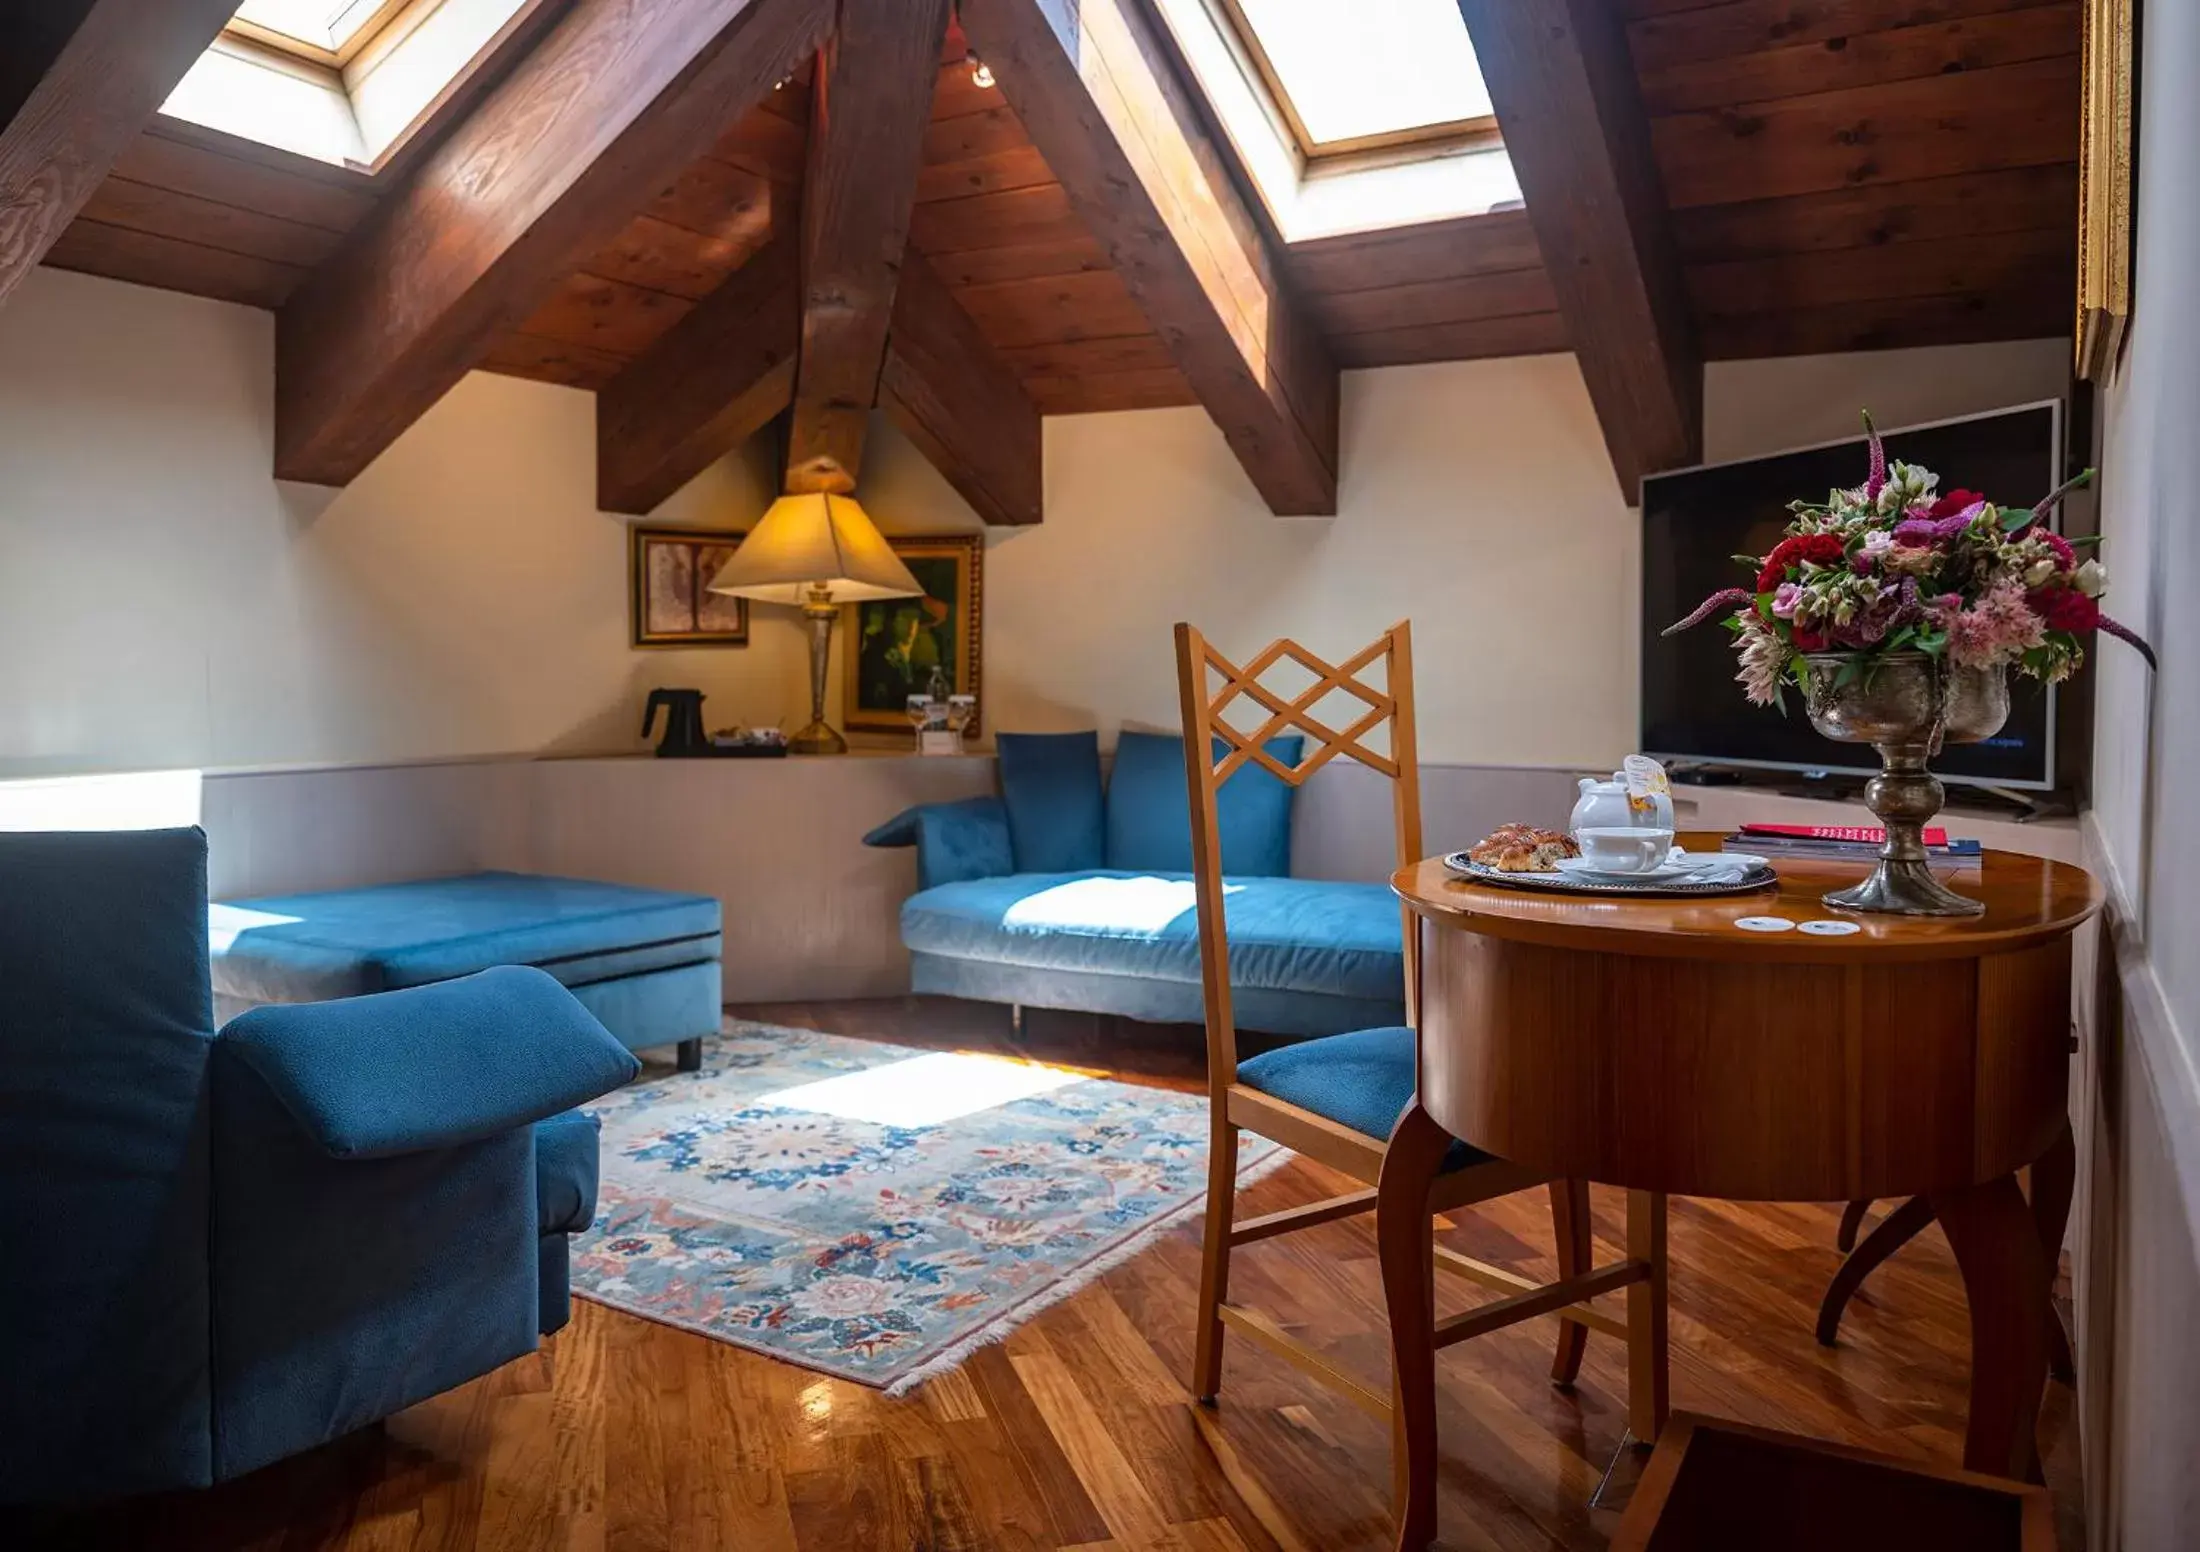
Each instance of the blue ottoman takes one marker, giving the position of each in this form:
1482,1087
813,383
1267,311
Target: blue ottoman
645,962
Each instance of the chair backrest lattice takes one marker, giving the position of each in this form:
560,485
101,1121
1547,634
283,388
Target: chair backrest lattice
1211,687
1296,714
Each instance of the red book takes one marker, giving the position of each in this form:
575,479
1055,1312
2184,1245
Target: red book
1867,834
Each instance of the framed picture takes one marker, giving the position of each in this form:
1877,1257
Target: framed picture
669,570
2104,187
893,644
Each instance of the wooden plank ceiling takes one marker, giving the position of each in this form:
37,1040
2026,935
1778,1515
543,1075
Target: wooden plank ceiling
1839,174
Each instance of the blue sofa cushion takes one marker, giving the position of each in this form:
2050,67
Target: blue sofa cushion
1150,818
1051,785
430,1066
343,943
565,1172
106,1034
1286,934
1363,1080
969,839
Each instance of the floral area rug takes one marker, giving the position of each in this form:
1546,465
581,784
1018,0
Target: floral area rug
876,1212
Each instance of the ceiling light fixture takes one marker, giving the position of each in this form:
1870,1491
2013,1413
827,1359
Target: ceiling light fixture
981,73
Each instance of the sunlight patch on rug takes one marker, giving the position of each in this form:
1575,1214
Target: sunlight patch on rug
876,1212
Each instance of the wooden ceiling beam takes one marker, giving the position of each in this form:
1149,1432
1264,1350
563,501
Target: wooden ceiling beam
965,408
618,100
1571,110
78,80
1093,83
870,103
721,375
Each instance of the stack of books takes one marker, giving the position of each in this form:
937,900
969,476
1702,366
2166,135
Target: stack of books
1843,843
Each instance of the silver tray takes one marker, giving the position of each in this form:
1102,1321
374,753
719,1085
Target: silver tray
1558,883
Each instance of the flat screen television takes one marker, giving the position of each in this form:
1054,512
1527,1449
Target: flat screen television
1696,520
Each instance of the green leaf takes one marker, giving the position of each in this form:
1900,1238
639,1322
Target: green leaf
1751,561
1932,643
1851,671
2084,541
2014,518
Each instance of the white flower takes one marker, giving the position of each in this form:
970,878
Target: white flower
2092,579
1879,541
2036,574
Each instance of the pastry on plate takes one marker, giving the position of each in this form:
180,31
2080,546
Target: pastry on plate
1519,848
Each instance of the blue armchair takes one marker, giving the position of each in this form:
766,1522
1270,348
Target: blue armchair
227,1248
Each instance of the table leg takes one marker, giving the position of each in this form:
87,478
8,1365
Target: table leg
2054,1182
1895,1230
1416,1153
1997,1248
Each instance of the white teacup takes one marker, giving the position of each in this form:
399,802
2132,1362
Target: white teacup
1625,849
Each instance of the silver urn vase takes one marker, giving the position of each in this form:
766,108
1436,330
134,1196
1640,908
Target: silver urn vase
1905,705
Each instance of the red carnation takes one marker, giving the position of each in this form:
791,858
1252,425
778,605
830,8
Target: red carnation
1808,640
2065,609
1824,548
1952,503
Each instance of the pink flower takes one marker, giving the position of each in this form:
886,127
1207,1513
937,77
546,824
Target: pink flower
1785,598
2066,558
1994,632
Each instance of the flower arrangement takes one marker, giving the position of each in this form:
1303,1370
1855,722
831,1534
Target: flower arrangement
1894,566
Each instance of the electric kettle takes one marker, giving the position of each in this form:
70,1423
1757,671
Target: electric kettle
684,737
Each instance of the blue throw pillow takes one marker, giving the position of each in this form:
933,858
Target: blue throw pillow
1050,784
1150,814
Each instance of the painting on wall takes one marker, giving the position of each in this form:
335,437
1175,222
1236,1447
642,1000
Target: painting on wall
2104,187
894,644
672,604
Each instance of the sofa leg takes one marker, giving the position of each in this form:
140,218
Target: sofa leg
1016,1022
691,1055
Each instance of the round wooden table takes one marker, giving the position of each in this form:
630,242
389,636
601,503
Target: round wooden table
1658,1046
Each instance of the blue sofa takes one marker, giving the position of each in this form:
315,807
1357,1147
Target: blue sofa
1064,893
645,962
225,1248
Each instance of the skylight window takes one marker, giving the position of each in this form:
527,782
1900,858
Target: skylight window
1399,72
347,82
325,27
1348,117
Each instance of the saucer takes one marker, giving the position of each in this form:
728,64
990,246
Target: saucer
1678,865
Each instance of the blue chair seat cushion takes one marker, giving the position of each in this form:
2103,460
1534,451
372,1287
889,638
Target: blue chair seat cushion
565,1172
1286,934
1363,1080
348,942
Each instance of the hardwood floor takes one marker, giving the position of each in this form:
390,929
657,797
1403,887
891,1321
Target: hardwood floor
1077,1431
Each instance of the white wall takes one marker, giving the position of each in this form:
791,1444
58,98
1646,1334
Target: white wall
163,602
2140,1282
1476,499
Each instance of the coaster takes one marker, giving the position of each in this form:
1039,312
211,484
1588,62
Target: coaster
1765,924
1829,928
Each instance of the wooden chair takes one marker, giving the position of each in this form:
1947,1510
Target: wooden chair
1336,1099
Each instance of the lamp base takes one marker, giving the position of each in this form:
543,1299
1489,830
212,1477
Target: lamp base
817,738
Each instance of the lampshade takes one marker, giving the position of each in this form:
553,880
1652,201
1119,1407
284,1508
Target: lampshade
815,541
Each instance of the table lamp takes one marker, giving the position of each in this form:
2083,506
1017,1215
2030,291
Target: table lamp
816,552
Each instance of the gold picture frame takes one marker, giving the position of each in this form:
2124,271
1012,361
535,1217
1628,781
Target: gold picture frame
892,644
2104,187
669,603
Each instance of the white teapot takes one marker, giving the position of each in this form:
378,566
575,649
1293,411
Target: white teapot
1605,805
1601,806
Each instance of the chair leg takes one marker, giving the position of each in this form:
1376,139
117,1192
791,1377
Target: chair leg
1570,1227
1214,1260
1852,1220
1649,1396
